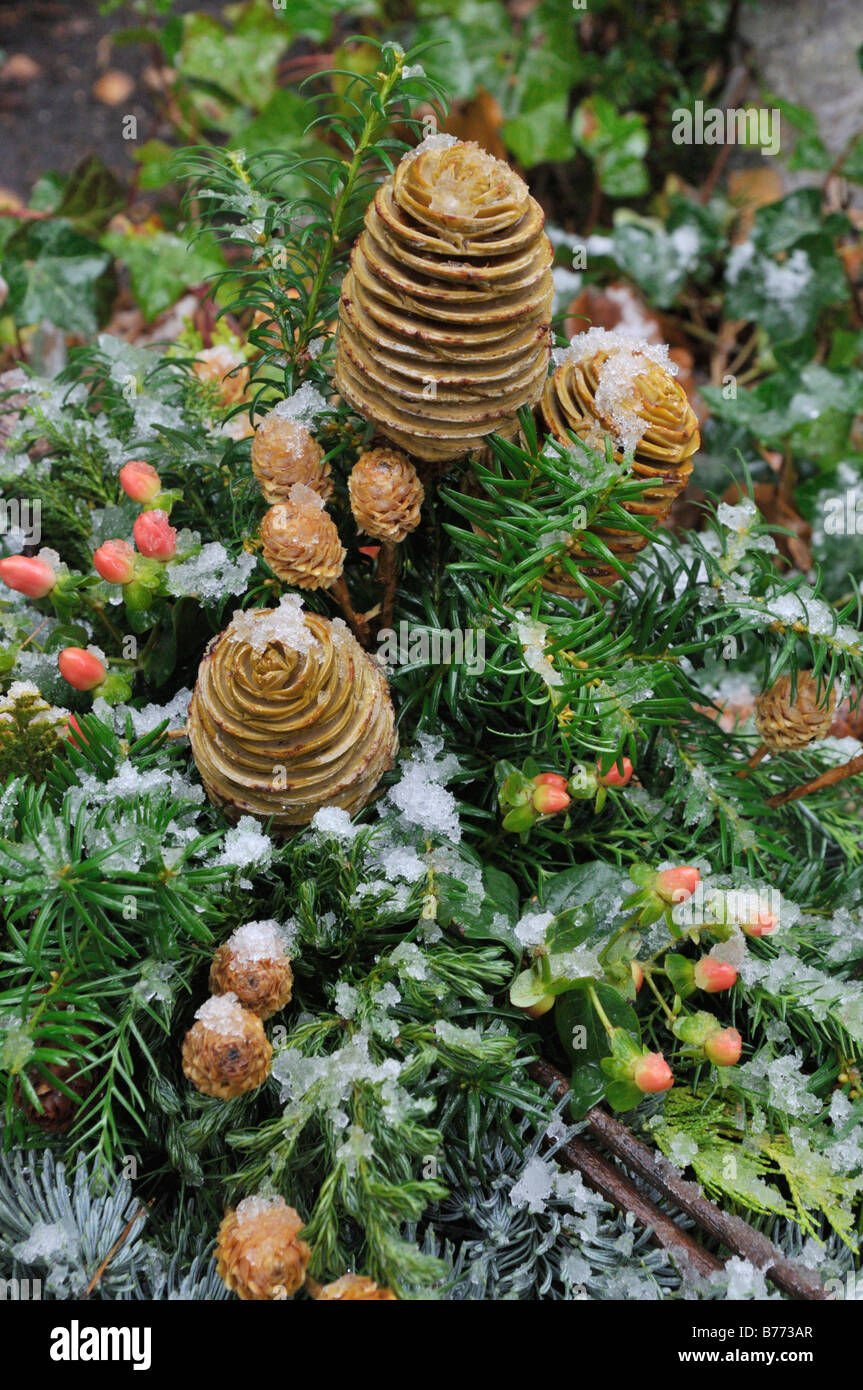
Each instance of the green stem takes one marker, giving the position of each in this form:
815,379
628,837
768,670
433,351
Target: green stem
603,1016
649,978
373,122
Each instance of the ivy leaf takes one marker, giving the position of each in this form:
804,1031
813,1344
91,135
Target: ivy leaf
539,134
161,264
55,273
616,142
493,920
660,257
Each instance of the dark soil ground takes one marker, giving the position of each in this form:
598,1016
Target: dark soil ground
52,55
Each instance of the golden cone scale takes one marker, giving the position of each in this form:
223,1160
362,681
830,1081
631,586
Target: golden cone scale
288,716
445,313
663,454
301,544
284,453
261,985
227,1064
354,1288
386,494
786,725
259,1254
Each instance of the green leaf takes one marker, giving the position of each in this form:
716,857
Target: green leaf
580,1029
623,1095
541,134
617,143
161,264
55,273
680,974
493,919
588,1088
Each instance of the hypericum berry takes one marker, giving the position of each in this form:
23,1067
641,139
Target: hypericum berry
541,1006
678,884
637,974
713,975
651,1073
549,800
27,574
140,481
115,561
550,779
724,1048
614,777
763,924
74,733
81,668
154,535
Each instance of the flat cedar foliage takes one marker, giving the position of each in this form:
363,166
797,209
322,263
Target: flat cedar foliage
452,933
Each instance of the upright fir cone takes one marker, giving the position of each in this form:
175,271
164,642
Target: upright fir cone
289,715
300,542
259,1254
610,384
354,1288
227,1052
445,313
785,725
386,494
284,453
254,966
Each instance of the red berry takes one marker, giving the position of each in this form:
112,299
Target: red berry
678,884
81,668
27,574
140,481
614,777
651,1073
550,779
764,924
724,1048
115,561
549,800
637,974
154,536
713,975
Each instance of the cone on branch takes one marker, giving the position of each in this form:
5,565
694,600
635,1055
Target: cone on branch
289,715
386,494
610,384
259,1254
285,453
786,724
58,1109
254,966
300,541
226,1052
353,1288
445,313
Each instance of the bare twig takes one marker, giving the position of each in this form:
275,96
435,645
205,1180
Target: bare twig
731,1231
827,779
142,1211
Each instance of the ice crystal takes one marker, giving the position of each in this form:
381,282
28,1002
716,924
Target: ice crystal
211,574
285,626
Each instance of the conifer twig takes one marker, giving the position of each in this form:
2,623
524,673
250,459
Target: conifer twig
731,1231
826,779
142,1211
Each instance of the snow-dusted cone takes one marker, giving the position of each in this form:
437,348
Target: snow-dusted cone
607,383
784,724
259,1253
254,965
227,1052
354,1288
446,310
289,715
300,542
386,494
284,453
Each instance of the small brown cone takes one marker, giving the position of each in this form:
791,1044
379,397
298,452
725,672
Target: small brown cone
254,965
227,1052
284,453
300,542
354,1288
386,494
259,1254
785,725
58,1110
